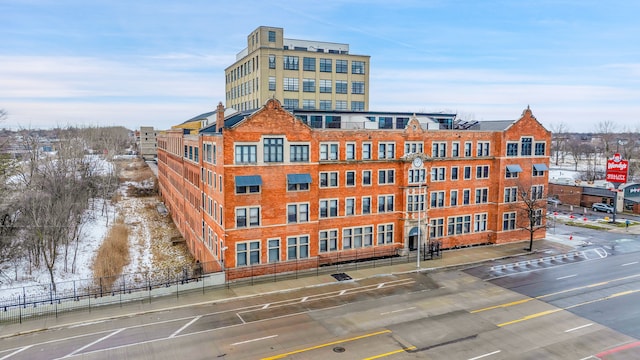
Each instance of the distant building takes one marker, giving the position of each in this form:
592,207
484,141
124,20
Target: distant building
302,74
148,143
266,188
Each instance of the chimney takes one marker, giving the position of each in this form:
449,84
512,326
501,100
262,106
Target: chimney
219,117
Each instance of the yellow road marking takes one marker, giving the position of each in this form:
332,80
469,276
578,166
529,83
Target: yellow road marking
391,353
280,356
529,317
517,302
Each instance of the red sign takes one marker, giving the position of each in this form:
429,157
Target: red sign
617,169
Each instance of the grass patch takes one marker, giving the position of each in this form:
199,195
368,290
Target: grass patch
113,254
619,223
587,226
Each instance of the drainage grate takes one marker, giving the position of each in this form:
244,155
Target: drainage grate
341,276
339,349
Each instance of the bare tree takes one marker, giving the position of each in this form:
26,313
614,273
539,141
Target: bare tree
606,130
531,209
559,139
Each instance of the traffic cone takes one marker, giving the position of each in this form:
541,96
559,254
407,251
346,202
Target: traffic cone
571,237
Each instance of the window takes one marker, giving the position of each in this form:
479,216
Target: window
246,154
357,67
308,104
350,178
272,83
325,65
357,106
526,146
457,225
482,172
248,253
437,228
290,62
291,103
454,173
329,179
341,105
328,240
325,86
341,87
272,61
290,84
386,150
482,196
328,151
297,247
467,172
401,122
536,192
354,238
366,205
273,149
385,234
417,176
247,189
510,194
437,199
466,197
483,148
385,203
438,174
385,122
272,36
539,148
413,147
480,223
386,177
357,87
298,182
297,213
415,202
273,250
467,149
509,221
366,177
308,85
537,217
366,151
453,198
439,149
539,169
455,149
328,208
350,153
325,104
512,149
350,206
512,171
309,64
341,66
253,218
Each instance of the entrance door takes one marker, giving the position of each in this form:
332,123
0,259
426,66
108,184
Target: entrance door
413,242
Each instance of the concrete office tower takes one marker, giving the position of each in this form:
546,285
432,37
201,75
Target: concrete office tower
301,74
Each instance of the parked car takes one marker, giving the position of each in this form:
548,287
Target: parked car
602,207
554,201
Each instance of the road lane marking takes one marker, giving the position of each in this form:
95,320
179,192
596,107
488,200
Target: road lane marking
485,355
518,302
94,342
342,292
529,317
280,356
252,340
391,353
566,277
631,263
265,306
579,327
380,285
185,326
396,311
16,352
618,349
240,317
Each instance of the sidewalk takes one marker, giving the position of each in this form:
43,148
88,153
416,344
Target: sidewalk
450,258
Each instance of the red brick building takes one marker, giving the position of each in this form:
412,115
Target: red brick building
270,187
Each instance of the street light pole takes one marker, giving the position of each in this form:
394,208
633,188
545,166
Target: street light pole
420,205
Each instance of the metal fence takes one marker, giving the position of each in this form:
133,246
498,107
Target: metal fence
37,301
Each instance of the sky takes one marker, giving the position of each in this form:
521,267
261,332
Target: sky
160,62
